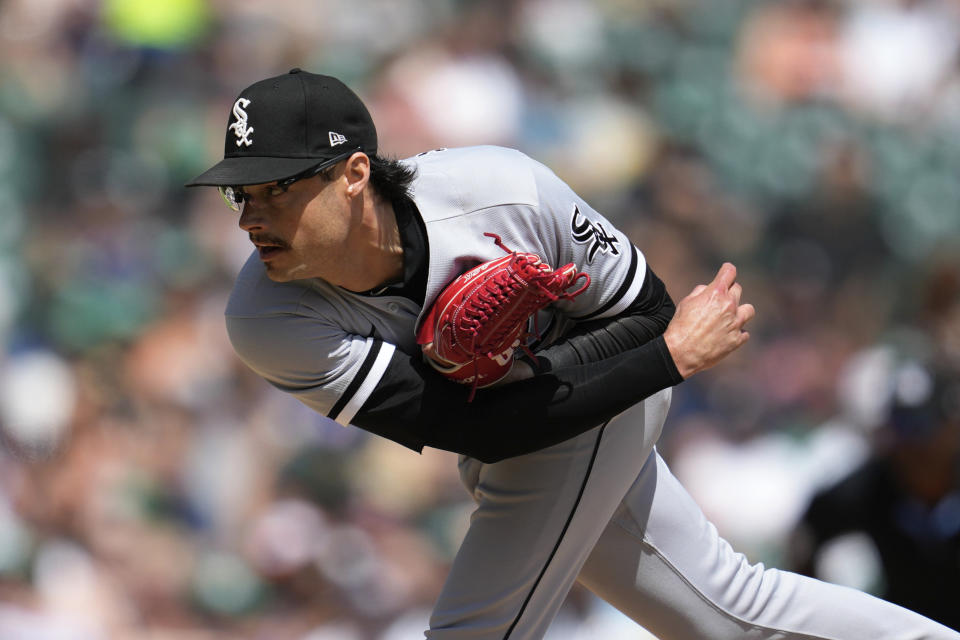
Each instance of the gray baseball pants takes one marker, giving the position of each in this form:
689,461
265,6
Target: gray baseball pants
604,509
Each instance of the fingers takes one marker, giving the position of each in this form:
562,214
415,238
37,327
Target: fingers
723,282
725,277
709,323
736,291
745,313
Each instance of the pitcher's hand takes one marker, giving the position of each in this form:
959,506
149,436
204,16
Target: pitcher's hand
708,323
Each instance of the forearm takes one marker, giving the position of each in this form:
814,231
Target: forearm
598,371
525,416
646,318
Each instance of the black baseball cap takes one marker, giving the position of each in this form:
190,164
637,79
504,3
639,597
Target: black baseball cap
924,398
282,126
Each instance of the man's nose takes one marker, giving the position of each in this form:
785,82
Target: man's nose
250,219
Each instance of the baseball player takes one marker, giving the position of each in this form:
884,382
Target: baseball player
352,250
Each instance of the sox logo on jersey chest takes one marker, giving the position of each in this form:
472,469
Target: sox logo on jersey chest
585,231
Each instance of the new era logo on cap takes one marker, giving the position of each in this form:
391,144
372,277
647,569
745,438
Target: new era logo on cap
336,138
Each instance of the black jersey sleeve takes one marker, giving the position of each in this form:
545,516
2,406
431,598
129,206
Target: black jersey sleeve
645,319
598,370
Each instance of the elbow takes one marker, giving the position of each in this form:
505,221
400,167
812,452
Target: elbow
482,451
489,457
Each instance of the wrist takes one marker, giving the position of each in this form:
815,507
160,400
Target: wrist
674,346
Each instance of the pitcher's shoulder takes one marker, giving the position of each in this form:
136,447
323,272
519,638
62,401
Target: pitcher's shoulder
456,181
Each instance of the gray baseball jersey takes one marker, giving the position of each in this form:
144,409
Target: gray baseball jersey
600,507
329,347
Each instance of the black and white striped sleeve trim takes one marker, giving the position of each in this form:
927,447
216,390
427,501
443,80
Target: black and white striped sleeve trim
363,383
625,295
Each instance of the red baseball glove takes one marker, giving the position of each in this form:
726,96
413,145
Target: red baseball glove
474,327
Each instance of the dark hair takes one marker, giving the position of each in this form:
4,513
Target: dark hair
391,178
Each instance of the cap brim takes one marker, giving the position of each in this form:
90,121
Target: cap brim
254,170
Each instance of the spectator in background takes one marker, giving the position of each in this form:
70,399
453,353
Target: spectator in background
905,498
827,251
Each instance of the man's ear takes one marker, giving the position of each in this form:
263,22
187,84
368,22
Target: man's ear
357,173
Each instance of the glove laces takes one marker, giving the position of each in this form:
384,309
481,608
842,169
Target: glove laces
511,289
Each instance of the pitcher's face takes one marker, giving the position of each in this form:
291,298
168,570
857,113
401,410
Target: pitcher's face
302,231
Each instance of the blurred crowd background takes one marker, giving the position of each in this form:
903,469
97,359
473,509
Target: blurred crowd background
151,487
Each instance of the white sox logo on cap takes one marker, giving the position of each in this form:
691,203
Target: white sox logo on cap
240,128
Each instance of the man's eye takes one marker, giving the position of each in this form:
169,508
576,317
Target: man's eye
273,192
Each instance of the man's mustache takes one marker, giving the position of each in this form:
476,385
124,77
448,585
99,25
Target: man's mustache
268,240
